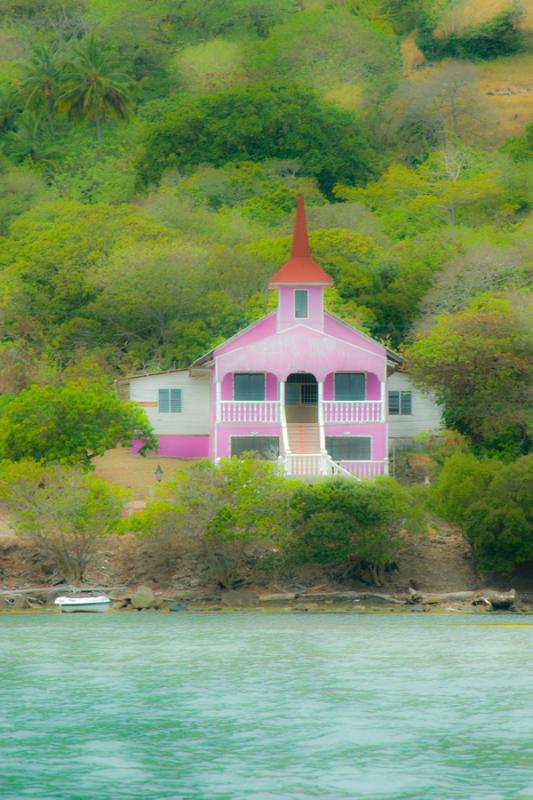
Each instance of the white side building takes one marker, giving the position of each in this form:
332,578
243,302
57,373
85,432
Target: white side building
410,411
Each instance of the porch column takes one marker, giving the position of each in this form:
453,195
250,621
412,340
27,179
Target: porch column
218,395
321,416
282,417
383,390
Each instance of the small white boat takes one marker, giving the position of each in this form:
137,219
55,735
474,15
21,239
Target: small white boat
95,603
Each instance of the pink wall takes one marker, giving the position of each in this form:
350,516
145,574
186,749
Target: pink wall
340,330
377,432
178,447
258,330
226,431
286,307
301,349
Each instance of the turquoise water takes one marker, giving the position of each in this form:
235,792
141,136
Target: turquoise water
266,707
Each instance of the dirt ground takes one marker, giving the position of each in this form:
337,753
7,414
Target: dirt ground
119,466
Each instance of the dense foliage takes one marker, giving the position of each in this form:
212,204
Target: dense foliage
355,525
69,424
498,36
231,514
478,362
256,123
245,513
62,511
492,502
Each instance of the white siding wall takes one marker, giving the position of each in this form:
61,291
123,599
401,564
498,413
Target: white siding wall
425,416
195,415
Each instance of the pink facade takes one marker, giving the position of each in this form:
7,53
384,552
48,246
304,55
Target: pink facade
179,447
315,311
297,344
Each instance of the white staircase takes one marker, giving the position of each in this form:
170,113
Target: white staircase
304,437
304,457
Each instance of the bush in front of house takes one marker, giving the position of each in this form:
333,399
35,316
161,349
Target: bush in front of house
227,516
357,525
493,503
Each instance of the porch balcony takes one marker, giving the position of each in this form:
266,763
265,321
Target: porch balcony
334,411
248,411
354,411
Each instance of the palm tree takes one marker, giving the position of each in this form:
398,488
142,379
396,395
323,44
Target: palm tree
27,142
10,107
95,84
41,83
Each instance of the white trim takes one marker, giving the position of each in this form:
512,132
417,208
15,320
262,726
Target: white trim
321,427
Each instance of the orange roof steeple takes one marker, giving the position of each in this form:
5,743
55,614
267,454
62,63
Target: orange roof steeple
300,268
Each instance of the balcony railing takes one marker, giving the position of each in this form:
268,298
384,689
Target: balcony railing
248,411
336,411
365,469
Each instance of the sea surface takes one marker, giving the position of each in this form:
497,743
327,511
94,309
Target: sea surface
196,706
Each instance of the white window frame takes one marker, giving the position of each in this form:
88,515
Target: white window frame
399,392
249,372
356,436
252,436
306,303
350,372
169,389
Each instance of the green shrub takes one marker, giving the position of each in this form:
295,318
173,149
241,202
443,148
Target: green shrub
353,524
493,502
463,479
231,514
499,525
498,36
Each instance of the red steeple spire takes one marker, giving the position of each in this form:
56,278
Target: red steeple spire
300,241
300,268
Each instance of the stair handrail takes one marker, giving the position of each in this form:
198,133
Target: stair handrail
283,419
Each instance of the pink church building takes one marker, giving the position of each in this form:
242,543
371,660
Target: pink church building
298,386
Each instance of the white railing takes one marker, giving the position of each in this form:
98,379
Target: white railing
365,469
248,411
303,464
336,411
315,464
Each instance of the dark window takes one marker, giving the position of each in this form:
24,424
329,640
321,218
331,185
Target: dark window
266,447
400,403
349,386
249,386
349,448
169,400
300,303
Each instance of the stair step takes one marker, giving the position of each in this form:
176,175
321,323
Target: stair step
304,438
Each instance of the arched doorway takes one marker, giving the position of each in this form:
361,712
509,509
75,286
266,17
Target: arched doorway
301,397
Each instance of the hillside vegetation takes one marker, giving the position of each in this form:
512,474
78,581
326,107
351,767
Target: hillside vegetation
152,153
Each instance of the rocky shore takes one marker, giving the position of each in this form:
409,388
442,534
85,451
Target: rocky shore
145,599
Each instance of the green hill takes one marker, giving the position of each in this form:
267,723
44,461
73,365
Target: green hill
152,153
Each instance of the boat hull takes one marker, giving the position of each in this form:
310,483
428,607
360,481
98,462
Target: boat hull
95,604
96,608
